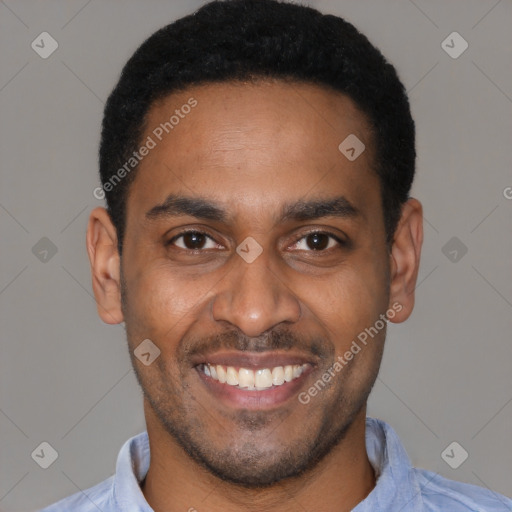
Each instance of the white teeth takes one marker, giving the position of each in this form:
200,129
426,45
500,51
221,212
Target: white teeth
221,373
260,379
278,375
231,376
245,378
263,379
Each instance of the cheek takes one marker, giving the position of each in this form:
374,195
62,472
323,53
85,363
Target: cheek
160,303
349,300
348,305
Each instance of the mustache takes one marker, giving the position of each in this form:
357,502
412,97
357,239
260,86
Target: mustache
276,339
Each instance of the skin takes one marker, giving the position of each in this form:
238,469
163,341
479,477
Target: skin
252,148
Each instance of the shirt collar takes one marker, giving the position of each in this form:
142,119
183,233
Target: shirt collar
131,468
396,488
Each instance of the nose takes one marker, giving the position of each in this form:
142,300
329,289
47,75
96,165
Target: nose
255,298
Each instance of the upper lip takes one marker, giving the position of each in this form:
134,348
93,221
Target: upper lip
250,360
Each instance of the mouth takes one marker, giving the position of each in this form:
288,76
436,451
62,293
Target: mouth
254,381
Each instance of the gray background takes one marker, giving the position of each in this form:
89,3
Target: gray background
65,378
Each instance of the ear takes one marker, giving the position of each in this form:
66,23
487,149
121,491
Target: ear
405,260
105,265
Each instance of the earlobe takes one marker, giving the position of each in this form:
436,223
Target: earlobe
405,259
104,257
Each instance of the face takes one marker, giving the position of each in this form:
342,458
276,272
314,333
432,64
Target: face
255,253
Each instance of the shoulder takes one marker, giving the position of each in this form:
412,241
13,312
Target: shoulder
440,493
90,500
117,491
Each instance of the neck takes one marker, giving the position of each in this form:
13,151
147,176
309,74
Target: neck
175,482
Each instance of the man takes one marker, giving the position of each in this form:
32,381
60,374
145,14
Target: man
256,159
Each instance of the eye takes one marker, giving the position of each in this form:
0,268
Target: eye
318,241
193,241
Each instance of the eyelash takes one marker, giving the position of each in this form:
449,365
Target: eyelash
342,243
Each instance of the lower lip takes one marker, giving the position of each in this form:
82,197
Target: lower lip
256,400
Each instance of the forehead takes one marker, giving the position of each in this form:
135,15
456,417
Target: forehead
260,144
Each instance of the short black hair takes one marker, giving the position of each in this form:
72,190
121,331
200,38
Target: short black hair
240,40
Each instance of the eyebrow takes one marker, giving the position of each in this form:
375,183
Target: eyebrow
202,208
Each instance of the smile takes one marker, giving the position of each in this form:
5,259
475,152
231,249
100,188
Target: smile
253,379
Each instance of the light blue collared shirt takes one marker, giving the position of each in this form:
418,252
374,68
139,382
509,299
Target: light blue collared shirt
399,487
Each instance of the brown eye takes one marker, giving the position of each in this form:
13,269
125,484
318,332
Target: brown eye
193,241
318,241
